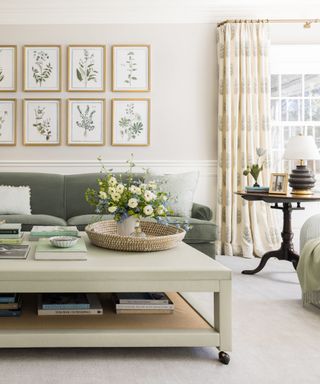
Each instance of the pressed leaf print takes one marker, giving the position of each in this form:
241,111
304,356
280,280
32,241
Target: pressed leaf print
1,71
86,119
42,69
86,71
3,117
130,125
131,68
42,124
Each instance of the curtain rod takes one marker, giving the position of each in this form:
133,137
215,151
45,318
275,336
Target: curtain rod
306,22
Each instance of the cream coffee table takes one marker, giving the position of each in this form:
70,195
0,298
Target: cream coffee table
182,269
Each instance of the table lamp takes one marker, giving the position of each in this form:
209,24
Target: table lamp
301,148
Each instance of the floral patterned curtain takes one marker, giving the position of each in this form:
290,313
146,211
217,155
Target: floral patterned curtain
245,228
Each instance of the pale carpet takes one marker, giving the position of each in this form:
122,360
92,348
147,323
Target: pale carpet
276,340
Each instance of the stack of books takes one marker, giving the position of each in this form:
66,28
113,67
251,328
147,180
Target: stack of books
11,234
142,303
39,232
70,304
46,251
12,251
10,304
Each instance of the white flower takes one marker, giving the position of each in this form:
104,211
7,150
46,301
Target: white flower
111,190
160,210
148,196
112,209
133,189
152,185
102,195
100,182
113,181
148,210
138,191
143,186
120,188
133,203
164,197
116,196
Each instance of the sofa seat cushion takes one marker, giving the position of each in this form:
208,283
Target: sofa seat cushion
28,221
201,231
83,220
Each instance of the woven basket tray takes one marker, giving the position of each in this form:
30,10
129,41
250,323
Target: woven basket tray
104,234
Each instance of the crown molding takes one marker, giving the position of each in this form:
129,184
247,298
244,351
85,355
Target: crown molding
148,11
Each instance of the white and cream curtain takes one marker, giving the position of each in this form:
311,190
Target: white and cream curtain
245,229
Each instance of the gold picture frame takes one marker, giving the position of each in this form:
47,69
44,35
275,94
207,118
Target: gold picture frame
103,71
25,140
114,81
278,183
103,123
114,135
14,125
25,75
14,68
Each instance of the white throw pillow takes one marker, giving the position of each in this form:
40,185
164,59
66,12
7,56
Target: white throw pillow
14,200
181,187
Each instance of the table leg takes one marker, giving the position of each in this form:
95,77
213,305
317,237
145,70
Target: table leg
286,251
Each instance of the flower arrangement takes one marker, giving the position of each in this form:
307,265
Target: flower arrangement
255,169
128,198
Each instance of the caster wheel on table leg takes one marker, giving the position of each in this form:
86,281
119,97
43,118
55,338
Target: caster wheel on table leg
224,358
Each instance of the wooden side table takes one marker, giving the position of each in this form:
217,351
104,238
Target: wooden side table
285,204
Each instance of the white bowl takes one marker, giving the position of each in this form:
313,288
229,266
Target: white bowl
63,241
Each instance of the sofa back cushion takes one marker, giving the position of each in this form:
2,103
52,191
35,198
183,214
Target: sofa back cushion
47,191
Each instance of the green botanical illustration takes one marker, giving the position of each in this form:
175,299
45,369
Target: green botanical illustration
1,71
130,125
42,68
3,117
86,71
131,68
86,119
42,124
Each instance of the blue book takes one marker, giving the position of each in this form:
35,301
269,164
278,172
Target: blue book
64,301
10,312
8,297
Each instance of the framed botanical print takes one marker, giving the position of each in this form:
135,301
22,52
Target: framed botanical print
86,121
8,121
86,68
42,68
41,121
8,68
131,68
131,122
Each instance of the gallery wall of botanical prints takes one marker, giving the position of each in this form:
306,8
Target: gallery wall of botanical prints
86,74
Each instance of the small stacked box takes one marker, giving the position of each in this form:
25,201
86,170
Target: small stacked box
40,232
142,303
11,233
70,304
10,304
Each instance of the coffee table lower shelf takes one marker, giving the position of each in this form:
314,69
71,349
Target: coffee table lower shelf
184,328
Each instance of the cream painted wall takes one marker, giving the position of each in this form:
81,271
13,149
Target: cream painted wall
183,100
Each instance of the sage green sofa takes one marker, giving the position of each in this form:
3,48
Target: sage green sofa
59,200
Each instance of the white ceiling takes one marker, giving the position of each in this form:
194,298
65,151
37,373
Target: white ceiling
150,11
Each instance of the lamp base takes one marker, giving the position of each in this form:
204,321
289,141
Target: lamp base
301,180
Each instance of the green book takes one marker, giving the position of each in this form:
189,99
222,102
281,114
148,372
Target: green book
46,251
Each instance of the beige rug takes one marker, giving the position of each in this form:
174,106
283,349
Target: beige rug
275,339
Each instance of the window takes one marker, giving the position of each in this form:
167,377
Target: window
295,99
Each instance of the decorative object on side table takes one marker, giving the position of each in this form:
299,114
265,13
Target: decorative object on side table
255,169
279,183
301,148
63,241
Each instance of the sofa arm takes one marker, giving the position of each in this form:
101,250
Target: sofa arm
201,212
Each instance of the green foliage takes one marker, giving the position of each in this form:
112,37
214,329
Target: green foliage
42,68
86,71
255,169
